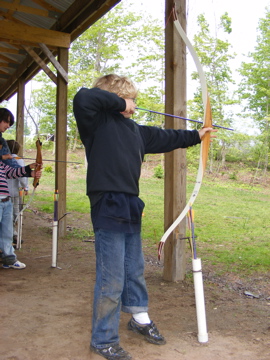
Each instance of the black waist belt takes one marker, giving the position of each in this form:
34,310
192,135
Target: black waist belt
5,199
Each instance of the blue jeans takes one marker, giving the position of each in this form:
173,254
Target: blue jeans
6,232
120,283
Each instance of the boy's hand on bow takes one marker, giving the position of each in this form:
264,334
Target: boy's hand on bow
203,131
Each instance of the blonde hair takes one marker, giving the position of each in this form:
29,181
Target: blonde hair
119,85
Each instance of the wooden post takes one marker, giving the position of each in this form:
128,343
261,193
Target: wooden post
175,162
61,141
20,114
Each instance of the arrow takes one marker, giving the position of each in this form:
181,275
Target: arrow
180,117
71,162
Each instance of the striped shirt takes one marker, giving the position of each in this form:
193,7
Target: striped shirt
7,172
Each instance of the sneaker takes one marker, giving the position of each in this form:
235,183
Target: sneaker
149,331
114,352
17,265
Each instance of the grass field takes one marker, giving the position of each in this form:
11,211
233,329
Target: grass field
231,216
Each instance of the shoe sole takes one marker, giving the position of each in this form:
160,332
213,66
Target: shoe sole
96,351
150,340
16,268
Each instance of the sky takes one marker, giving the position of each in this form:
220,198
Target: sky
245,18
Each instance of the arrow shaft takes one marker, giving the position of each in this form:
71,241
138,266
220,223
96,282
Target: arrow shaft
180,117
71,162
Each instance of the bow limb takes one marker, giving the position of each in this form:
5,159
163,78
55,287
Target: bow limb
38,161
205,143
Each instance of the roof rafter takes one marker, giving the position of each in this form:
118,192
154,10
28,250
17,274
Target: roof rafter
46,5
34,34
27,9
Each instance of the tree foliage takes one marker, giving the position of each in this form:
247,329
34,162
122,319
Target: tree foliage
214,54
123,41
255,87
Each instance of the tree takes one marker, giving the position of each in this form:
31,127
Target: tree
122,42
214,56
255,86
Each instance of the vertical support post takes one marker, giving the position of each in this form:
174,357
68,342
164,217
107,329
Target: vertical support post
61,142
20,114
175,162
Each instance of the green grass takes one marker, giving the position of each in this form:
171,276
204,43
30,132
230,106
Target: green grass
231,218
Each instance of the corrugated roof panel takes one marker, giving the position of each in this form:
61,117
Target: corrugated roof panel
61,5
35,20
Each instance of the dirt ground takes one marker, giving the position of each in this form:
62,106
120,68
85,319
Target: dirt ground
46,312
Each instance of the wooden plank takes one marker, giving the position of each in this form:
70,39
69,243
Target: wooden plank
8,60
33,34
8,50
175,162
61,142
9,16
41,63
46,5
19,44
23,8
55,63
4,70
20,114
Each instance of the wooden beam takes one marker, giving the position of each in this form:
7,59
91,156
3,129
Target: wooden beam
12,65
4,70
34,34
41,63
20,114
55,63
175,161
61,142
46,5
8,50
26,9
8,16
82,21
19,44
8,60
27,69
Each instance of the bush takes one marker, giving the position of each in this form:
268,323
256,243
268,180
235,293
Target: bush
48,169
159,172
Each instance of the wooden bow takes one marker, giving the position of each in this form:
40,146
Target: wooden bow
38,161
205,143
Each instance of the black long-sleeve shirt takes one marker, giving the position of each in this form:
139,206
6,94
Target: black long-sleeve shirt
115,146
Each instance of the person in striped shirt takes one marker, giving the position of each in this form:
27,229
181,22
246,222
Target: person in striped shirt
8,255
15,185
